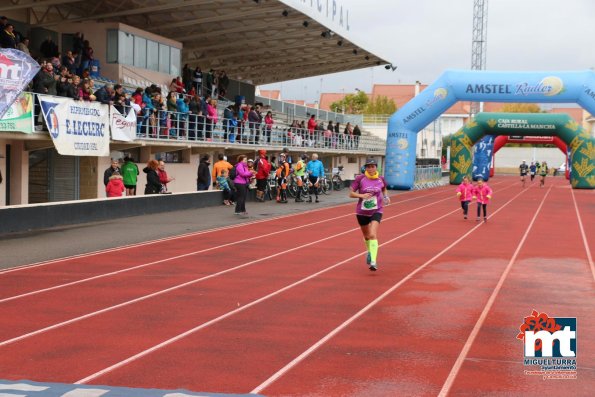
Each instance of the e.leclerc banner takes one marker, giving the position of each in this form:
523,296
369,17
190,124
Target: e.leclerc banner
17,69
123,127
19,116
77,128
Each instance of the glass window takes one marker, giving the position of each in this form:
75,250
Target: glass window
170,157
163,58
125,48
140,52
174,69
152,55
112,46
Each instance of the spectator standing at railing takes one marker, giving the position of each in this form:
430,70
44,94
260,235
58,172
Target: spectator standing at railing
173,86
7,37
196,119
69,62
88,54
348,134
253,123
311,127
187,77
357,133
197,80
24,45
268,128
105,94
172,108
223,84
211,117
48,48
183,110
78,46
46,81
203,175
86,92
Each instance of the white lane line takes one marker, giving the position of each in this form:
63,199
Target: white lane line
475,331
182,256
179,286
585,242
253,303
347,322
192,234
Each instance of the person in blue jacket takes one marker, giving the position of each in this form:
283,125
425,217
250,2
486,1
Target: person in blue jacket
315,170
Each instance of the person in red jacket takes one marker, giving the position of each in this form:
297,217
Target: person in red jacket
163,177
115,186
263,168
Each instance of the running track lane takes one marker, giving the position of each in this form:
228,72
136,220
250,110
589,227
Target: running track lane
92,334
229,356
25,279
80,299
406,343
552,275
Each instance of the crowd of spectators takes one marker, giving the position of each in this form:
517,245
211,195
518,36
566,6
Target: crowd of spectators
188,110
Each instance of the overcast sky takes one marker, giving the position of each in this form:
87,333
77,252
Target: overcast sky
425,37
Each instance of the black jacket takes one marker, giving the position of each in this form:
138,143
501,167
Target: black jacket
153,185
203,175
109,172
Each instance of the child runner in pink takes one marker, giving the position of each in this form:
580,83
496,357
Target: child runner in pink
465,193
483,193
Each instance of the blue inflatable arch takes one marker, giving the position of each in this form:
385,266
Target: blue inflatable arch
475,86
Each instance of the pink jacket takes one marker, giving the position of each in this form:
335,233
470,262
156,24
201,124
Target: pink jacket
212,113
243,174
483,194
466,190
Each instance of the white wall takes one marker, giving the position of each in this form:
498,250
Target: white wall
513,156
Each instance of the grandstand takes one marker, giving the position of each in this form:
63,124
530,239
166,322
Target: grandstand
145,44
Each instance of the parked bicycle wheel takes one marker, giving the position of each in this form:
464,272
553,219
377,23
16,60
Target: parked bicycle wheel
338,183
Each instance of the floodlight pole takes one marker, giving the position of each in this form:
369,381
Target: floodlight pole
479,44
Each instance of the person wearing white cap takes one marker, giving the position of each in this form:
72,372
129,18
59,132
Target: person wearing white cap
370,189
524,169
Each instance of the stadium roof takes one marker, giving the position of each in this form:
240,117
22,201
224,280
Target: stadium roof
259,41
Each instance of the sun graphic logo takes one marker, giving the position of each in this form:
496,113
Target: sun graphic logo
555,85
548,337
402,143
440,93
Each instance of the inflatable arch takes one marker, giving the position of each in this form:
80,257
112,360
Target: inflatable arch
478,86
582,146
502,140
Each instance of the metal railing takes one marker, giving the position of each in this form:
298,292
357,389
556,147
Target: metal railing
165,125
304,112
428,176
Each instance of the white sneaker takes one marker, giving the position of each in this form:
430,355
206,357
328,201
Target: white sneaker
373,266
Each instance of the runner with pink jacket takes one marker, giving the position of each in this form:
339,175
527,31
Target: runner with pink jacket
465,193
483,193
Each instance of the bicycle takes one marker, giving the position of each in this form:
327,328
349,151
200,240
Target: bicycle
270,190
325,185
337,181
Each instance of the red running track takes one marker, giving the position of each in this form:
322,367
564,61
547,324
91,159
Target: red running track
288,308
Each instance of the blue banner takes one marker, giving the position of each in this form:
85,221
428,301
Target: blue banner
482,160
17,69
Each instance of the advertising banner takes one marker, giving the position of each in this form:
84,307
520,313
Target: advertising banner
19,116
123,127
17,69
77,128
